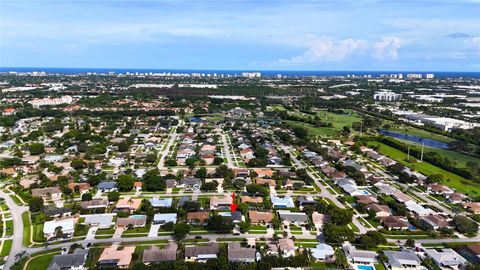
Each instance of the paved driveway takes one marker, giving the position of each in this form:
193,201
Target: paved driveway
154,230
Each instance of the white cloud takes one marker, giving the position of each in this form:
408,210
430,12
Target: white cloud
387,48
329,50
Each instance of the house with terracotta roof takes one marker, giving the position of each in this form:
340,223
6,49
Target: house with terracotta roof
198,217
250,199
401,197
48,193
263,181
394,222
264,172
94,204
82,187
257,217
135,222
456,197
473,207
434,221
439,189
379,210
216,202
116,256
128,205
366,199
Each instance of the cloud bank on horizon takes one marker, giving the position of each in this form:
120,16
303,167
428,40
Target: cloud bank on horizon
242,34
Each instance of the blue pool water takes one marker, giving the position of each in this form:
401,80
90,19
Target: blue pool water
365,267
136,216
415,139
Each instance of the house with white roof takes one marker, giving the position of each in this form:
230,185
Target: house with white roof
446,258
50,228
165,218
322,252
279,202
403,260
157,203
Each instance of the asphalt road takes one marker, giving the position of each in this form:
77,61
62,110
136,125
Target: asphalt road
17,243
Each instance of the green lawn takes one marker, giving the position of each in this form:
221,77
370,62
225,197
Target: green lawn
420,133
450,179
16,199
340,120
38,233
41,262
459,158
9,228
7,245
26,229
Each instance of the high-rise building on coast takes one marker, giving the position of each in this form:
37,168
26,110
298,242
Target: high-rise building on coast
251,74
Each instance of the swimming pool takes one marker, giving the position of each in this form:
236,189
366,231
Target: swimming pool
365,267
137,216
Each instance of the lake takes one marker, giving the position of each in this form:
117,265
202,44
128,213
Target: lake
415,139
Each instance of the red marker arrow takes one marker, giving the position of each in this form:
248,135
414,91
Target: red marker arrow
233,206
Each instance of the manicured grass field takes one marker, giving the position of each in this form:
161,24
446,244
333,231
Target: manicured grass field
41,262
460,158
420,133
26,229
7,245
450,179
340,120
38,233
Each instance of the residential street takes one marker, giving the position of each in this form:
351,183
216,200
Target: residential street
17,243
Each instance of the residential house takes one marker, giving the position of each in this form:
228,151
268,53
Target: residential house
107,186
279,202
446,258
52,227
239,254
403,260
48,193
114,256
102,221
94,204
456,198
366,199
161,203
220,203
155,255
434,221
135,222
55,212
81,187
198,217
286,247
323,252
473,207
257,217
128,205
439,189
395,222
379,210
72,261
162,218
201,253
297,218
355,256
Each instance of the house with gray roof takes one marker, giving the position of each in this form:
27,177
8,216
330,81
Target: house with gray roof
155,255
236,253
75,260
102,221
403,260
293,217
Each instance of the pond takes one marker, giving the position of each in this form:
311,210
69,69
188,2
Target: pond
415,139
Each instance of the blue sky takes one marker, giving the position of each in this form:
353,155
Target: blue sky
442,35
